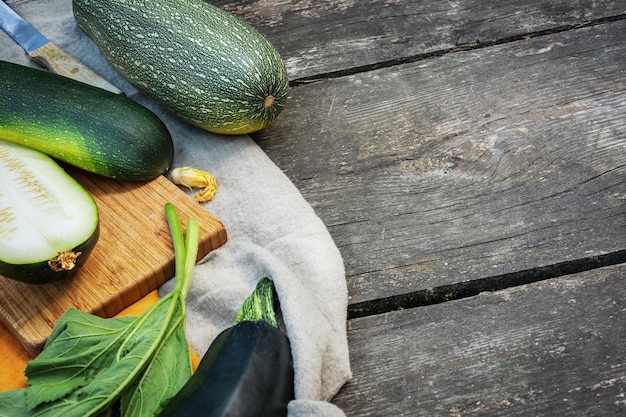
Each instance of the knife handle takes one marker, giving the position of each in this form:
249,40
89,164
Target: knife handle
57,60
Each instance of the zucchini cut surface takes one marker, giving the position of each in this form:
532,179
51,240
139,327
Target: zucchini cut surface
43,212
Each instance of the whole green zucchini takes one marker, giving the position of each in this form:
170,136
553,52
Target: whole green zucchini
204,64
84,126
246,372
49,223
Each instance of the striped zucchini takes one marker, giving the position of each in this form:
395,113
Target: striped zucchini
205,65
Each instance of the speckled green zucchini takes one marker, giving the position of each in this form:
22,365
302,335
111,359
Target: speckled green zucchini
88,127
205,65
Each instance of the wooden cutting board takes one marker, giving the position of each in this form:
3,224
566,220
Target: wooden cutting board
134,255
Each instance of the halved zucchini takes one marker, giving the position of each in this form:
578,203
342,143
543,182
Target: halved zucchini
49,223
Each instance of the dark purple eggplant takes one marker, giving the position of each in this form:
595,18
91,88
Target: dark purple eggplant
246,372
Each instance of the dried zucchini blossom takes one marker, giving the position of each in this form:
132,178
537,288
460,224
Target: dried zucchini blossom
196,178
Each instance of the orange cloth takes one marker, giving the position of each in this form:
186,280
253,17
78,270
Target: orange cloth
13,356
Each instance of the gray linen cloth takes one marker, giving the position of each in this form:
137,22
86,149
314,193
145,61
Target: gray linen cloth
272,231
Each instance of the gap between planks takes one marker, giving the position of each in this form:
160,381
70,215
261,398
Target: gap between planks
460,47
472,288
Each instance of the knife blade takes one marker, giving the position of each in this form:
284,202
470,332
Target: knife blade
46,53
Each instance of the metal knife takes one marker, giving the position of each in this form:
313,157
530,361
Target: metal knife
47,54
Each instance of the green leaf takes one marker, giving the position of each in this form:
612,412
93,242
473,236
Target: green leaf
76,351
167,373
13,404
111,364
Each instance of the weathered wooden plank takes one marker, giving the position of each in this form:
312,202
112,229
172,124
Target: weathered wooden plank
468,165
316,37
553,348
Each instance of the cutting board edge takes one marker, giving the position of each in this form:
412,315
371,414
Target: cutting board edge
213,235
35,345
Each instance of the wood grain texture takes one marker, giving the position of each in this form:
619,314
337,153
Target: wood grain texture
318,37
60,62
554,348
467,165
134,255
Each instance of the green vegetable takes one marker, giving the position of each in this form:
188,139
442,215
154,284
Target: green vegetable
88,127
95,367
49,223
246,372
203,64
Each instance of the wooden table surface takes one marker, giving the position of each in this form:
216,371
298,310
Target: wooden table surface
469,159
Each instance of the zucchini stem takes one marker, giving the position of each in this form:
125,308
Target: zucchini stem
260,304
